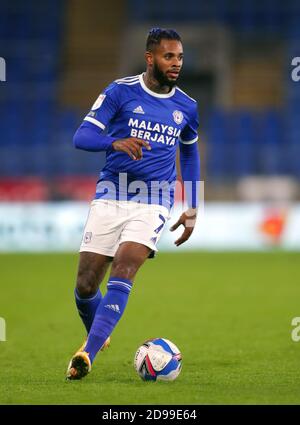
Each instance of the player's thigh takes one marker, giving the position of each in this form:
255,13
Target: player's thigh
128,259
145,226
92,268
103,227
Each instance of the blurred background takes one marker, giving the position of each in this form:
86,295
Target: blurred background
229,312
59,56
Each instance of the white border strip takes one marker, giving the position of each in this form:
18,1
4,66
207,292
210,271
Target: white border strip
128,79
112,282
188,142
152,93
94,121
129,83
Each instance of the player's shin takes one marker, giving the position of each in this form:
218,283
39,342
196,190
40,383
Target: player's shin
108,314
87,308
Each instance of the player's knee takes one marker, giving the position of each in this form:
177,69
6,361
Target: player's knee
86,284
124,270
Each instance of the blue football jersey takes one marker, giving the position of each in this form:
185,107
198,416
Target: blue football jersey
128,108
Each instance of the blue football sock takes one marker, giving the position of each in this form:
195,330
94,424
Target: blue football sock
87,308
108,314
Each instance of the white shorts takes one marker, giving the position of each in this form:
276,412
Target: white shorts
111,222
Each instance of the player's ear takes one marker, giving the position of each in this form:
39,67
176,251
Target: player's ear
149,58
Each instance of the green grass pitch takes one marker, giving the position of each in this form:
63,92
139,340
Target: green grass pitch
229,313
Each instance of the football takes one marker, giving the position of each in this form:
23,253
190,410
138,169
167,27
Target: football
158,359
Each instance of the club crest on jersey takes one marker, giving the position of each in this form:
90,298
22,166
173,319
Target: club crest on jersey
98,102
178,117
87,237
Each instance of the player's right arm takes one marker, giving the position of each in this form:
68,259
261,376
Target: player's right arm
132,146
91,135
89,139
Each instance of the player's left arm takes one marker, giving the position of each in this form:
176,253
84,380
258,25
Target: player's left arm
190,172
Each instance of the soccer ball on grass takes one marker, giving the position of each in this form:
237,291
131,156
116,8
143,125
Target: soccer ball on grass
158,359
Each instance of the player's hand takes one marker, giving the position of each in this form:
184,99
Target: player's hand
188,220
132,146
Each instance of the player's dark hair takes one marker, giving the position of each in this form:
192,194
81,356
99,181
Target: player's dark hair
157,34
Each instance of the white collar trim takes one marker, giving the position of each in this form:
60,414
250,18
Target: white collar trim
152,93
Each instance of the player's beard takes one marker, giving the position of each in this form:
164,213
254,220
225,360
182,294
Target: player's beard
162,78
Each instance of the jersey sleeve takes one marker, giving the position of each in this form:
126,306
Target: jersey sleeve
189,134
105,107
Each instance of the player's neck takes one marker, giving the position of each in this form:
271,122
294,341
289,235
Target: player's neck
154,85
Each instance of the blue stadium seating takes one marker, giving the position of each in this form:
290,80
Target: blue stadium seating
36,134
242,143
246,16
30,39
